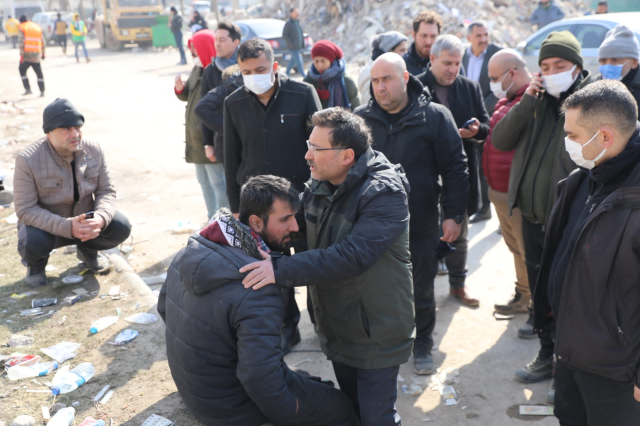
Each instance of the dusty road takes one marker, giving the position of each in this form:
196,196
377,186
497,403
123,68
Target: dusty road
130,109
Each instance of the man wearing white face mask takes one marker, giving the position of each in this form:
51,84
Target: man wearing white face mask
588,282
619,54
534,128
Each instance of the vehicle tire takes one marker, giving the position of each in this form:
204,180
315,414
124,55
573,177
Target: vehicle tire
112,42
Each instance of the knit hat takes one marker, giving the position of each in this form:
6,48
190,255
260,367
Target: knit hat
620,42
23,19
326,49
563,45
173,9
387,41
61,113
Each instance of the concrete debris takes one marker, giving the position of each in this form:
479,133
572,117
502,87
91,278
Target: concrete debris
23,421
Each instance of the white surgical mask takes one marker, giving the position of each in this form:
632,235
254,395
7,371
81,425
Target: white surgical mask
258,83
575,152
497,90
559,83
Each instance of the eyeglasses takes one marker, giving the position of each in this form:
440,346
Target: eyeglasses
315,148
497,79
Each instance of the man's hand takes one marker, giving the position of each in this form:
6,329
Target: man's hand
210,153
86,229
261,273
451,230
471,131
636,392
179,85
42,57
236,216
536,86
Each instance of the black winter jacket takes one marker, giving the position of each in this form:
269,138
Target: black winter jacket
290,34
426,142
465,102
211,78
176,24
223,341
271,140
598,320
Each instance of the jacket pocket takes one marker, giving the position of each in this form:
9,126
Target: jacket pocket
49,187
365,320
90,178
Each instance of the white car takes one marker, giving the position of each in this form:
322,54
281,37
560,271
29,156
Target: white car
47,21
590,32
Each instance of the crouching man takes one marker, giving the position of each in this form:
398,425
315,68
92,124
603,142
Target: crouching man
59,181
223,341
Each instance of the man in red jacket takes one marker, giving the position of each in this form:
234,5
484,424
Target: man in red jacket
509,78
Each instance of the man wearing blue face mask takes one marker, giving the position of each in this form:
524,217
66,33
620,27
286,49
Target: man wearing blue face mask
588,281
534,128
619,54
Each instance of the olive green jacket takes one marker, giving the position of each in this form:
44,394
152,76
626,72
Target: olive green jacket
194,150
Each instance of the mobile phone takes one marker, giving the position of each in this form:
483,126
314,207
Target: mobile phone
468,123
88,215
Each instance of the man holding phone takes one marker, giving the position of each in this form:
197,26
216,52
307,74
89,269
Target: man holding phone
64,196
463,97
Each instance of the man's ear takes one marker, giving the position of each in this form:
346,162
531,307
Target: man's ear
348,155
256,224
607,137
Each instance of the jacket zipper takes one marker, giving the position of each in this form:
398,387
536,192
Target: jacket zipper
535,177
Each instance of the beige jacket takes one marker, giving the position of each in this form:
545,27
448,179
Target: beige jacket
43,187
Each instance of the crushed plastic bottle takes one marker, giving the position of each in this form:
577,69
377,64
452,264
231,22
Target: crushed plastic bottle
63,417
142,318
103,323
40,369
90,421
69,381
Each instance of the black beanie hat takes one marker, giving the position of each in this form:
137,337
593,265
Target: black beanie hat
173,9
23,19
61,113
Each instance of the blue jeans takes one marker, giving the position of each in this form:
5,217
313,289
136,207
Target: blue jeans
214,187
84,47
178,37
296,60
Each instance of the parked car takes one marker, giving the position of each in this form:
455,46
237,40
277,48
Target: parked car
271,31
47,21
590,32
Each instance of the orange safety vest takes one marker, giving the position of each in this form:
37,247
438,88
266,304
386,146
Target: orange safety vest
32,36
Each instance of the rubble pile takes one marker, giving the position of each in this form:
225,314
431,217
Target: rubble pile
353,23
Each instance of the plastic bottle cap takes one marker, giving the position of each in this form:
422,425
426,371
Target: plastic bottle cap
55,390
93,330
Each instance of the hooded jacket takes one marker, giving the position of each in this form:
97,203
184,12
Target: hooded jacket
223,341
426,142
358,265
416,64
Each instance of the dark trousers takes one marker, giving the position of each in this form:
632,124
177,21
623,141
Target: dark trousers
62,41
291,314
319,404
457,261
533,239
24,66
179,43
34,244
425,268
586,399
484,185
372,392
14,41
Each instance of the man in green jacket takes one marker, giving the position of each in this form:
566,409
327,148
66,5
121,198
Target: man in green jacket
358,267
79,36
535,129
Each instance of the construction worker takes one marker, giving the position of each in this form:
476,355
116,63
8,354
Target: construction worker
13,28
32,45
61,33
79,35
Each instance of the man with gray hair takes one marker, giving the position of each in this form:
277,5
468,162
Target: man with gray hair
463,97
588,276
619,54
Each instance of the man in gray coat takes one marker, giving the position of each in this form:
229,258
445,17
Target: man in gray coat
293,35
546,13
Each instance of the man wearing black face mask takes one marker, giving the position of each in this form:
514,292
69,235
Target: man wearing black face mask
588,277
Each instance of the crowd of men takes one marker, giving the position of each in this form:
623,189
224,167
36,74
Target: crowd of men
303,187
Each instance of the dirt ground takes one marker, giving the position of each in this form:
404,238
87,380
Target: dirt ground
130,109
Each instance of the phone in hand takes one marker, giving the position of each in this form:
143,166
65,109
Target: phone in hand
468,123
88,215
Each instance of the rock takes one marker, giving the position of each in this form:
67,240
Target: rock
56,407
23,421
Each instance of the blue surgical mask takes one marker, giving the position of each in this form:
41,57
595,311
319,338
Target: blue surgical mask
612,72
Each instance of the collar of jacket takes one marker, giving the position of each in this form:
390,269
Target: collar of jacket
418,96
356,173
430,81
416,57
79,154
627,159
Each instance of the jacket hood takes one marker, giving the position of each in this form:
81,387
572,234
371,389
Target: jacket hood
423,62
204,42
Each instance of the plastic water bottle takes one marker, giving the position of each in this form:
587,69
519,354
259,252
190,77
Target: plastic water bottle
63,417
69,381
103,323
90,421
40,369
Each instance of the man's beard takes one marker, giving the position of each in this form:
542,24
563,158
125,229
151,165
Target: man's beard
275,245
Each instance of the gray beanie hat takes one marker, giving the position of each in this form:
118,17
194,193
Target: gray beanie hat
387,41
620,42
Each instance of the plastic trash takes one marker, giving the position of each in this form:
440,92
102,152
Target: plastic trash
18,340
31,312
71,380
40,369
102,323
40,303
536,410
101,393
73,299
62,351
125,337
114,290
156,420
90,421
73,279
413,390
22,360
142,318
64,417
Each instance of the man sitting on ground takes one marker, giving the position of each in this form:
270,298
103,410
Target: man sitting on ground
59,180
223,341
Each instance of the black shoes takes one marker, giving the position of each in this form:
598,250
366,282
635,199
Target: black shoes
536,371
36,277
481,216
423,363
93,260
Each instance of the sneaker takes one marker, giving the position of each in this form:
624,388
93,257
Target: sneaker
182,63
526,331
93,260
424,363
290,341
536,371
42,94
517,305
36,277
442,268
27,92
551,393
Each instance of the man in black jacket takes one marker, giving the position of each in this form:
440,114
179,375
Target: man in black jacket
463,98
426,29
422,136
294,37
588,280
223,341
265,129
176,29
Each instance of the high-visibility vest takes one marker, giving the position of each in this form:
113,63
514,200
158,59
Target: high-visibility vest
32,36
